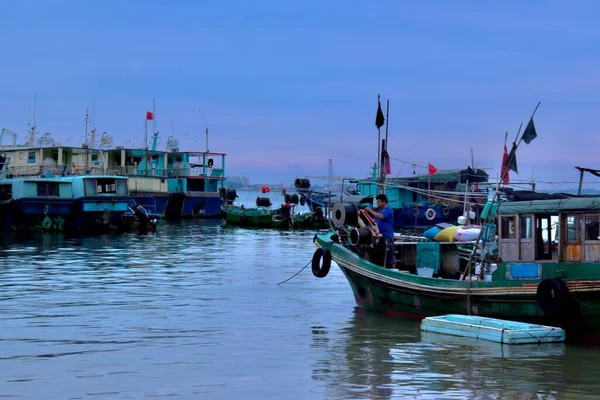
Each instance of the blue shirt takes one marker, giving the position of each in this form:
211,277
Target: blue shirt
386,225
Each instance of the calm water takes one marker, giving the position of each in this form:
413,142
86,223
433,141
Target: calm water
195,312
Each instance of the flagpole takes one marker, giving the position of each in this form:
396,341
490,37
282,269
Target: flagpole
384,147
146,131
378,144
511,155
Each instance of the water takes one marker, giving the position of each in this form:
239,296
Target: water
195,312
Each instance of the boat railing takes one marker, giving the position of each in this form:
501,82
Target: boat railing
82,169
213,173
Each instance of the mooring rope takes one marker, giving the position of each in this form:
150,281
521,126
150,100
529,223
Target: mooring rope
290,278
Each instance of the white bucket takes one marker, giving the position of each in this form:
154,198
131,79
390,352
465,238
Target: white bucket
428,272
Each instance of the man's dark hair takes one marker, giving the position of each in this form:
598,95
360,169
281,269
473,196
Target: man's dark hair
382,197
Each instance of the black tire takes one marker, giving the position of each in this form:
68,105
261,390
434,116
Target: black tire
552,296
321,271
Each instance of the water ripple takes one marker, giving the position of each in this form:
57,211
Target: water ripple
195,311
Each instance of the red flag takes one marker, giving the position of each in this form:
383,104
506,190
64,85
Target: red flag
504,174
149,115
432,169
387,166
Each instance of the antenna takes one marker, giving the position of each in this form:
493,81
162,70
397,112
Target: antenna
34,104
153,115
330,177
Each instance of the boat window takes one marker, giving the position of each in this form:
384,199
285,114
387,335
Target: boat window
122,187
31,157
592,224
5,192
47,188
508,228
106,186
90,187
525,228
573,228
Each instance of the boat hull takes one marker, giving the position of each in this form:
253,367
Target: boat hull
88,214
412,296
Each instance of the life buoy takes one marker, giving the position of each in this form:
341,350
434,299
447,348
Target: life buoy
445,211
321,270
415,211
430,214
552,295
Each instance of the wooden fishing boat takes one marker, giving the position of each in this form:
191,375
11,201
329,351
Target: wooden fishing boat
535,279
238,215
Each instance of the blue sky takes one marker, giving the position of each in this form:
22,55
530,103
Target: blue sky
285,86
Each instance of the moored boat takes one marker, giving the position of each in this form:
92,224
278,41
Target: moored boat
533,280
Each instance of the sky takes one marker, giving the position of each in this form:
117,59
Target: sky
286,86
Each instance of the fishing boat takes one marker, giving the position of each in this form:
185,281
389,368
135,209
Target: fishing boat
91,203
418,202
170,184
173,184
533,278
265,217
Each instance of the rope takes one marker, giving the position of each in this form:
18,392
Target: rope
293,276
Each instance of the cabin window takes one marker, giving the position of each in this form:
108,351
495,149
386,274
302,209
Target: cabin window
525,227
196,185
573,228
508,228
47,189
122,187
106,186
90,187
592,224
5,192
31,157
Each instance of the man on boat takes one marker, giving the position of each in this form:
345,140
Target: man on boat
384,217
286,210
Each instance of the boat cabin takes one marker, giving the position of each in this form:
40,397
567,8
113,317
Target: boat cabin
559,230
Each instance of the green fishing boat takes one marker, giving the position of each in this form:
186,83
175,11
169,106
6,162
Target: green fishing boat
237,215
544,267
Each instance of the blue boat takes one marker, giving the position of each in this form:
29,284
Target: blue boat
492,329
426,200
418,201
172,184
90,203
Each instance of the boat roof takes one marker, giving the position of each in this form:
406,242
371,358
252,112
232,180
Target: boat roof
473,175
552,206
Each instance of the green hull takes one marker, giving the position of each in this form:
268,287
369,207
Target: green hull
248,217
260,217
408,295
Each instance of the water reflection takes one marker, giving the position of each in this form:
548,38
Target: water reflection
379,357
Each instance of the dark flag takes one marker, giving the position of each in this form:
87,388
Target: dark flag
530,132
511,161
379,120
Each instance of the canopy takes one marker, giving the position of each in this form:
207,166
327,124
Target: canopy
550,206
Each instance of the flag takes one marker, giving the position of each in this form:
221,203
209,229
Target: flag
530,132
504,174
149,115
511,161
432,169
387,166
379,120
